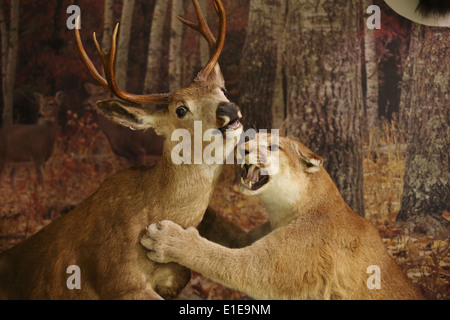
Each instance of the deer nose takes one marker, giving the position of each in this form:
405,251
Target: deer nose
229,110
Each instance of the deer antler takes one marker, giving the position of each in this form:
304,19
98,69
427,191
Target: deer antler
108,64
215,47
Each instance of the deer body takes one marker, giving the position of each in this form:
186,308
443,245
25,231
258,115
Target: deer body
101,235
31,142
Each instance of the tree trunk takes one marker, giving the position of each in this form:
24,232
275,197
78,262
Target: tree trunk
176,39
204,47
324,91
10,45
7,109
406,87
371,65
154,55
260,61
426,190
108,25
124,42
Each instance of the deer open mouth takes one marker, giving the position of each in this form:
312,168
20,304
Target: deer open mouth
232,125
251,177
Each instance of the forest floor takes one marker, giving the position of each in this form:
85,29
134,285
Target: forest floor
76,169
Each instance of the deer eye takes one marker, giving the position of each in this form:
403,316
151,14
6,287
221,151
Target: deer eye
274,147
182,111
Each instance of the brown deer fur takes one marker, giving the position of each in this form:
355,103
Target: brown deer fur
101,235
32,142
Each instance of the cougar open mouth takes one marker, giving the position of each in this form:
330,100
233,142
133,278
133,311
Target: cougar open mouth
252,178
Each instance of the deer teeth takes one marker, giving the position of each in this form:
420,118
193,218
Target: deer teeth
250,184
242,180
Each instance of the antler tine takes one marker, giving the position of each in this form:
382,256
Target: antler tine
202,27
109,83
87,61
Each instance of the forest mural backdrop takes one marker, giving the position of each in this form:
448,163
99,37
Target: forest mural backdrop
374,103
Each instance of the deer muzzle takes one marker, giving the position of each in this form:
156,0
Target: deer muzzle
229,115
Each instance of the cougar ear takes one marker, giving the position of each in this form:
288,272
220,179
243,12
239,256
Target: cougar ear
313,162
133,117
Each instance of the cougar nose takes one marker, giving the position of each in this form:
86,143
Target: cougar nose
242,151
229,110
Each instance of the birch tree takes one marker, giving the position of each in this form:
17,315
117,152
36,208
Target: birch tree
10,45
204,47
155,47
108,25
371,73
176,39
123,43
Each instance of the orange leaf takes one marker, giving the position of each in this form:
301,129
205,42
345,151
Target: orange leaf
446,215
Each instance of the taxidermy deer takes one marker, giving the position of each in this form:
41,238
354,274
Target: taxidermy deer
101,235
132,145
318,247
32,142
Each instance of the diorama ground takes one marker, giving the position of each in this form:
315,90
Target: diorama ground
82,159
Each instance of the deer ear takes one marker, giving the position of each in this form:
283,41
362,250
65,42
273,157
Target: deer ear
135,118
89,87
39,97
59,96
216,77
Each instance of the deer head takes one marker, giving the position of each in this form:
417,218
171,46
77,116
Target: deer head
204,100
49,105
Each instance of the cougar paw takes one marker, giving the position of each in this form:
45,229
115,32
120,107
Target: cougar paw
164,240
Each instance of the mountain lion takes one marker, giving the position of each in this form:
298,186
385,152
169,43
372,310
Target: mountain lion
318,249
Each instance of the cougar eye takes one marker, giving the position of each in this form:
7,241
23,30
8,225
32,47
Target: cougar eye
224,91
182,111
274,147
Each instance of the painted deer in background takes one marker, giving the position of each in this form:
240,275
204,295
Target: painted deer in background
101,235
32,142
132,145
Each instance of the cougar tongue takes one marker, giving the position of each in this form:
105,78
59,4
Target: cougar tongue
253,174
251,177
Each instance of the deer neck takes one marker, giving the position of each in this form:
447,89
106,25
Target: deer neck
188,172
186,187
50,128
47,121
